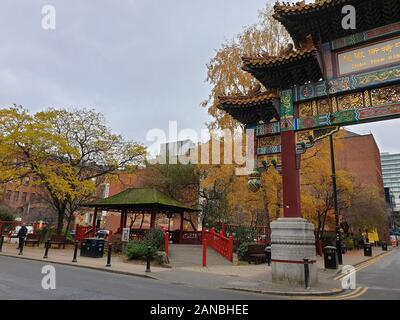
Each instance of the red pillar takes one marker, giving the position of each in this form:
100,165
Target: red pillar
290,176
121,221
204,252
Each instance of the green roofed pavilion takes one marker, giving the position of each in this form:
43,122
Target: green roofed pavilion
140,200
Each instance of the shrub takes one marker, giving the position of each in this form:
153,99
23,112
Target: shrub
349,243
243,248
244,234
7,213
137,249
156,238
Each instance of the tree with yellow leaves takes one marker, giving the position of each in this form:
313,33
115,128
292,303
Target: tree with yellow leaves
224,72
65,151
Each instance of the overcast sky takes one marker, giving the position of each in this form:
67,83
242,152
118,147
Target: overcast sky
140,62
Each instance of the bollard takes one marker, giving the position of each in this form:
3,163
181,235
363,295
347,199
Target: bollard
148,259
21,247
46,251
268,254
1,243
109,255
75,251
306,274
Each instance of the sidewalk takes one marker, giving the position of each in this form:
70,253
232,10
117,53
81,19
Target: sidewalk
245,277
64,256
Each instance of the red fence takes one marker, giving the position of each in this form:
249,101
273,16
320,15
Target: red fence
223,245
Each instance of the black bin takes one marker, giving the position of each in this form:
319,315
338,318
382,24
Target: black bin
330,258
368,249
384,246
92,247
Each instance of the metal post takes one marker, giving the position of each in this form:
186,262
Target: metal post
335,201
21,247
46,251
1,243
148,259
204,252
306,274
75,251
109,255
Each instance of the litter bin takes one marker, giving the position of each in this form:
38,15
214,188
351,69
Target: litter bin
368,249
384,246
330,258
268,254
92,247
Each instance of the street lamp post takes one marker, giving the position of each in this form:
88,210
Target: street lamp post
335,202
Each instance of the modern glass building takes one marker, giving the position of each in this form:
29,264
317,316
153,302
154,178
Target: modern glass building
391,175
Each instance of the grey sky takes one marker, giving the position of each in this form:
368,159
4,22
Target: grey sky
140,62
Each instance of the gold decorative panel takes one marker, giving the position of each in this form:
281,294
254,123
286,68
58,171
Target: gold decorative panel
305,110
350,101
385,95
323,106
269,141
303,136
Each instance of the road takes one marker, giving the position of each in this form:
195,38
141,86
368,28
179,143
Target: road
21,279
381,278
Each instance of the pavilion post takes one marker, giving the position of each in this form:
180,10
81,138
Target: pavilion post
121,221
152,220
181,228
94,221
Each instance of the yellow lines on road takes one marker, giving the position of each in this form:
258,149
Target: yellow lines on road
347,296
364,264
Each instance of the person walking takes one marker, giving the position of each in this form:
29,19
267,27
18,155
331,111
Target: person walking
21,235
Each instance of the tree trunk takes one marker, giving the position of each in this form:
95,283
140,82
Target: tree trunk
60,222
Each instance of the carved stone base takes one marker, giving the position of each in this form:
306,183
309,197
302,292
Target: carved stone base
293,240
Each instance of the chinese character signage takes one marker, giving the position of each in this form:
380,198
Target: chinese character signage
369,57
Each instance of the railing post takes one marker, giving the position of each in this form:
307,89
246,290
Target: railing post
204,252
230,248
148,258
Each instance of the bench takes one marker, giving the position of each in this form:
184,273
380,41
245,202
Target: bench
256,253
33,239
58,240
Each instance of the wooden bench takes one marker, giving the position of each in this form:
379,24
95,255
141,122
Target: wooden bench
33,239
256,253
58,240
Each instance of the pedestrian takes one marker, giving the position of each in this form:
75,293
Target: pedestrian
21,235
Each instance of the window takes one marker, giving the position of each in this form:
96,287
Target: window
23,199
16,196
32,198
8,195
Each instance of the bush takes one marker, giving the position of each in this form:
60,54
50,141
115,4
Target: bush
244,234
243,249
349,243
155,238
137,249
7,213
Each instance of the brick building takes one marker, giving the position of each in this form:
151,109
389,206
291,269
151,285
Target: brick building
360,156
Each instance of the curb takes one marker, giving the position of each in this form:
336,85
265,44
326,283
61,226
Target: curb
291,293
70,264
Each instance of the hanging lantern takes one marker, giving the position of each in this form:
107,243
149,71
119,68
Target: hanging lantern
254,182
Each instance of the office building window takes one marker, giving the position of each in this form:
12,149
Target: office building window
16,196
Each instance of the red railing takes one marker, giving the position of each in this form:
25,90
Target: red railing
166,240
220,243
82,232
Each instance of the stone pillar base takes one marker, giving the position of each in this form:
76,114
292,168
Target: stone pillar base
292,240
